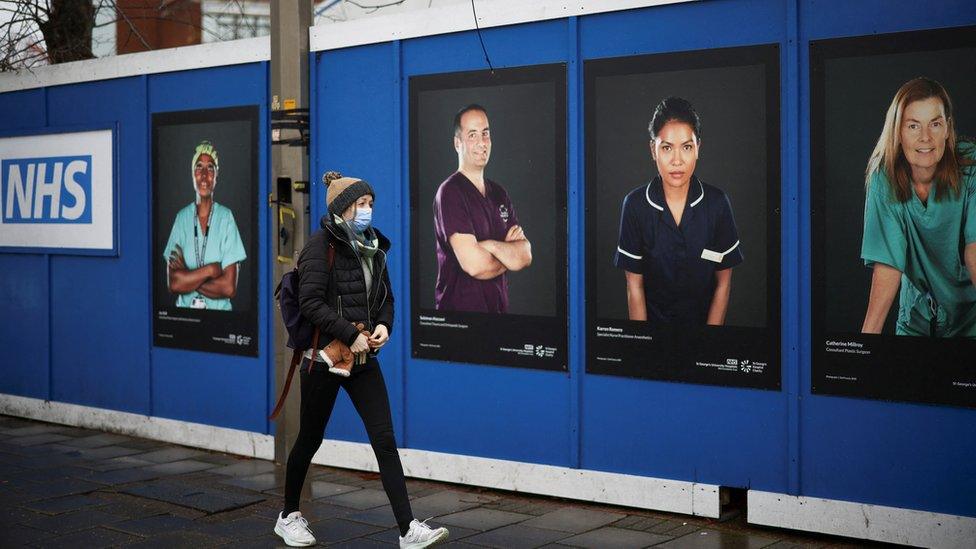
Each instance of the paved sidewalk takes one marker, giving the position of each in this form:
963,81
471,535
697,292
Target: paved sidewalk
69,487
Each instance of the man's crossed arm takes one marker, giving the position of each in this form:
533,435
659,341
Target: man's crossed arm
487,259
210,280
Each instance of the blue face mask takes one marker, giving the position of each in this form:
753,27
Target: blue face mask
364,216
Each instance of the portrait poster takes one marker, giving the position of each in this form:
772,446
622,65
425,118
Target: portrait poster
488,217
694,296
204,247
892,294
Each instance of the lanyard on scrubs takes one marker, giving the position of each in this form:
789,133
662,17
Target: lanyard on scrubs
201,252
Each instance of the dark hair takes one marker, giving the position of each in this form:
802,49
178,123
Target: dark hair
674,108
460,113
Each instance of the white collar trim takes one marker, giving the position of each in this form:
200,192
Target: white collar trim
702,195
647,194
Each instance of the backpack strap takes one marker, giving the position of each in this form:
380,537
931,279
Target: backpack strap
296,355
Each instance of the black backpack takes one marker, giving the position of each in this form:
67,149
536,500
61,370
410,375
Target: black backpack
302,334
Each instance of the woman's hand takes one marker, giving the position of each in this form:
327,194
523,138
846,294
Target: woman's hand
380,336
361,345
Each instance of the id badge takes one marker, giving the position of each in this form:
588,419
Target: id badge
709,255
198,303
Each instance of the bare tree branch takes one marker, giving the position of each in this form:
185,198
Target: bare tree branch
132,27
135,18
52,31
376,6
240,8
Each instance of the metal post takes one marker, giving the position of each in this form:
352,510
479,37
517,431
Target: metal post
290,20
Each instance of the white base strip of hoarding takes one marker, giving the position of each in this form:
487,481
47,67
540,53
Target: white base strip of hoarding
860,520
594,486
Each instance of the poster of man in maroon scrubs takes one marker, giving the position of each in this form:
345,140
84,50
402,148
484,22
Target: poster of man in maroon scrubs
488,217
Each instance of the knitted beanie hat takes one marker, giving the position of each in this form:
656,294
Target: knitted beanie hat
344,191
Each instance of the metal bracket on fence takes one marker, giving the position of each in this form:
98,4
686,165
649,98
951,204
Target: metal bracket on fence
290,120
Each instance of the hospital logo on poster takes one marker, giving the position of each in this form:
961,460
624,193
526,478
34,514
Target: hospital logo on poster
58,191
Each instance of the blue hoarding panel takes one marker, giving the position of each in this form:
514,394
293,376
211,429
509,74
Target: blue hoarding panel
514,46
471,409
24,282
727,436
897,454
209,388
716,435
212,389
23,109
685,26
99,305
208,88
356,127
25,370
901,455
821,19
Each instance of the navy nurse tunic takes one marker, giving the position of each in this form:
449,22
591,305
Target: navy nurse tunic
678,262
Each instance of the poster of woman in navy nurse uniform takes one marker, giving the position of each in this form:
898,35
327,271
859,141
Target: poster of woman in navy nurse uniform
683,226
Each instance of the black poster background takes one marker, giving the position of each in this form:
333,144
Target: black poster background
527,116
234,134
852,83
736,92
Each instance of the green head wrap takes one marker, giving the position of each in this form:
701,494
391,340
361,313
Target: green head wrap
205,147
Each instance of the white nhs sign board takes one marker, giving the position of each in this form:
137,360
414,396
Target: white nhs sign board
57,190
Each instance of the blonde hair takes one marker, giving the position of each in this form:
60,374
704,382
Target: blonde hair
888,156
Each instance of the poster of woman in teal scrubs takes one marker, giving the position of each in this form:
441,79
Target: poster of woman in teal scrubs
207,278
893,216
205,234
920,218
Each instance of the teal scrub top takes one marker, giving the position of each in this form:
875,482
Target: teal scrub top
224,246
925,242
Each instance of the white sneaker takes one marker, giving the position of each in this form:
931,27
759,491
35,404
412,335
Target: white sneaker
420,535
294,530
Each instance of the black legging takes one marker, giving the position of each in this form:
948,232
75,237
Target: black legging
367,390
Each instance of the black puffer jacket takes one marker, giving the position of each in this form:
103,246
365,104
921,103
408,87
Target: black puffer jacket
323,305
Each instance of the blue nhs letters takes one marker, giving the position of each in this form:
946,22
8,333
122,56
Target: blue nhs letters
46,190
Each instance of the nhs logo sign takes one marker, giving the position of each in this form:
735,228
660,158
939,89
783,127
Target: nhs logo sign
46,190
58,191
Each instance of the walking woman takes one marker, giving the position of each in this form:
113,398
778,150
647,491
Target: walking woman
343,281
920,218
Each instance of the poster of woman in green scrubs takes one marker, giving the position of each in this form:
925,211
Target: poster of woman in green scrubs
920,218
893,216
205,181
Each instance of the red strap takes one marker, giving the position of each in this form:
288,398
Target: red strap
296,357
315,348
